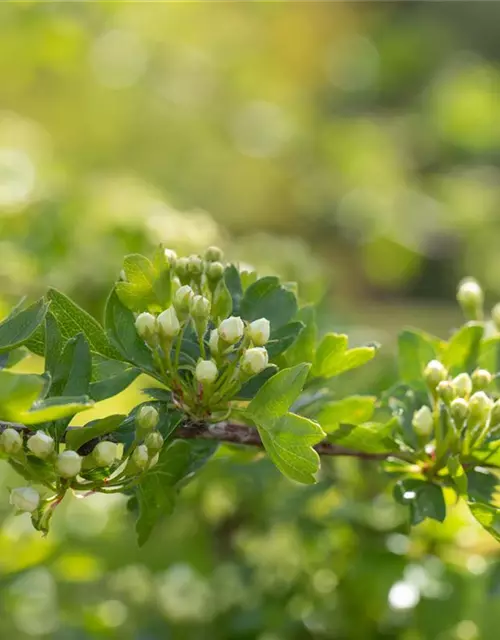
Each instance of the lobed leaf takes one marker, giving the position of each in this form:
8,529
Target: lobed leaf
333,358
267,298
352,410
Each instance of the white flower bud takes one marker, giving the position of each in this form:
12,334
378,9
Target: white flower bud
213,254
170,257
471,298
422,421
154,442
140,457
195,266
254,360
459,410
480,405
147,417
168,324
446,391
206,372
183,297
213,342
25,499
145,325
41,444
68,464
181,269
105,453
215,271
434,373
231,329
463,385
154,460
11,441
481,379
200,307
259,331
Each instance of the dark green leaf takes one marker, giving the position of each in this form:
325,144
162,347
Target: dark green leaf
78,436
11,358
415,350
267,298
462,351
18,328
250,388
482,485
53,344
74,369
283,338
222,305
370,437
304,347
425,499
233,282
110,377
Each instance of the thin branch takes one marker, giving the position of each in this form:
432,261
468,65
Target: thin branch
241,434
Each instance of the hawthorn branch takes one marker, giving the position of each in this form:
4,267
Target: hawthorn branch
240,434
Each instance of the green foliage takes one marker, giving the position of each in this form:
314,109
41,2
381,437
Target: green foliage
20,325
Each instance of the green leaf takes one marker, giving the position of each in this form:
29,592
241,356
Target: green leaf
73,320
352,410
76,437
277,395
333,358
303,349
425,499
415,350
222,305
18,392
283,338
10,358
148,286
20,326
370,437
53,344
289,442
489,356
157,490
482,485
52,409
73,371
488,516
458,474
250,388
120,325
110,377
233,283
168,422
462,351
267,298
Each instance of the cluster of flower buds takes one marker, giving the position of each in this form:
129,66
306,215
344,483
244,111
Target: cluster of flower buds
146,454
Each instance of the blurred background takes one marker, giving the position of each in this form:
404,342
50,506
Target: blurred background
352,147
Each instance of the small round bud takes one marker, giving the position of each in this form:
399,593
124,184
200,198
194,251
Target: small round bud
195,266
459,410
206,372
154,461
170,257
445,391
462,385
25,499
68,464
213,342
140,457
154,442
481,379
471,298
182,270
231,329
434,373
11,441
214,254
182,298
254,360
259,331
145,325
495,316
168,324
41,444
479,406
200,307
105,453
215,271
147,418
423,421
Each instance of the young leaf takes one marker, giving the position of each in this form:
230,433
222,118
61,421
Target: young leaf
303,349
137,292
489,356
20,326
73,320
76,437
462,351
415,350
333,358
267,298
222,305
488,516
233,283
157,490
352,410
18,392
425,499
289,442
370,437
283,338
52,409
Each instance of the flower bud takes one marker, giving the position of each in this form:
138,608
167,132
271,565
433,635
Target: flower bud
462,385
11,441
259,331
206,372
147,418
479,407
423,421
41,444
195,266
459,410
170,257
154,461
215,271
25,499
231,329
182,271
200,307
434,373
140,457
214,254
213,342
471,298
154,442
495,316
254,360
168,324
68,464
145,325
105,453
445,391
182,299
481,379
